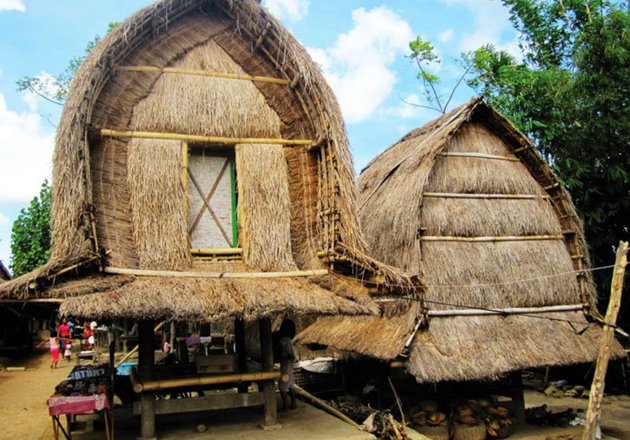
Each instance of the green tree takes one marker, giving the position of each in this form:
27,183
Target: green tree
56,89
571,94
30,235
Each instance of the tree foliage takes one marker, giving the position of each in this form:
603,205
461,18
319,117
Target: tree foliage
571,94
30,236
54,89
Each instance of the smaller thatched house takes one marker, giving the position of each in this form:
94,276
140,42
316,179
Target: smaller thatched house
467,202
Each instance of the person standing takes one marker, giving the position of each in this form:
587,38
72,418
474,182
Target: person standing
287,358
64,333
54,348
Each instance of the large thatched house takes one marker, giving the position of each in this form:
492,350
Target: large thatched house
202,172
467,202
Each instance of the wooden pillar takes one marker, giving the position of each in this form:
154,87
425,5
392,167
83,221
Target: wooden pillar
269,388
518,398
241,353
146,364
608,334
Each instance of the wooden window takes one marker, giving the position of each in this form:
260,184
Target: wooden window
212,198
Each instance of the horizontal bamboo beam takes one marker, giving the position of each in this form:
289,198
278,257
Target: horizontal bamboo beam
508,311
481,156
519,149
175,274
484,196
32,300
196,138
225,251
206,73
167,384
555,185
483,239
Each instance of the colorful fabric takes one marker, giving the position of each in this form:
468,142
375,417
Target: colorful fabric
54,351
58,405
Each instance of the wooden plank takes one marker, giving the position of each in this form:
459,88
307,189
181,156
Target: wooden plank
485,196
481,156
608,332
206,73
491,239
220,140
207,403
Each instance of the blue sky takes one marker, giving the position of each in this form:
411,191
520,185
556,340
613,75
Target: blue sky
360,45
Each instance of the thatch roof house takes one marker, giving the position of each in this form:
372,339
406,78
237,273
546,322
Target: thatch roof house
199,142
467,202
202,173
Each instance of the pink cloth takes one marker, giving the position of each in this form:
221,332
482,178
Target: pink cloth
58,405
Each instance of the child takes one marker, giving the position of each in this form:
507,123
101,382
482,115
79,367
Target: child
67,354
54,348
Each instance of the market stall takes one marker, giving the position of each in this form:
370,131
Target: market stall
88,390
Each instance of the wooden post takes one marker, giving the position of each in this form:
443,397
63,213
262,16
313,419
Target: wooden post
518,398
239,336
266,349
146,361
608,333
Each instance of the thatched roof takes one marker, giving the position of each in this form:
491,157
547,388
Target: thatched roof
467,202
121,201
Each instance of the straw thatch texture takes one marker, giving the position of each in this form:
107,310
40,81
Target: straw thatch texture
264,207
158,204
204,105
397,212
204,300
488,347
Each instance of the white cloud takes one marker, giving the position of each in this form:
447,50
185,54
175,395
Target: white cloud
12,5
490,21
26,154
4,220
447,35
358,65
293,10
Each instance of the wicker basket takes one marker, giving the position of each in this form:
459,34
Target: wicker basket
465,432
433,432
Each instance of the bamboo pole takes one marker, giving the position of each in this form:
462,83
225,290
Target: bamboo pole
491,239
174,274
207,73
481,156
136,348
508,311
226,251
597,387
72,267
323,405
166,384
201,139
485,196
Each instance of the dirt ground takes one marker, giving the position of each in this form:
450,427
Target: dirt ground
23,395
23,411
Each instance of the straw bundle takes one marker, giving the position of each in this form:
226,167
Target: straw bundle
493,264
205,300
204,105
264,207
158,204
488,347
